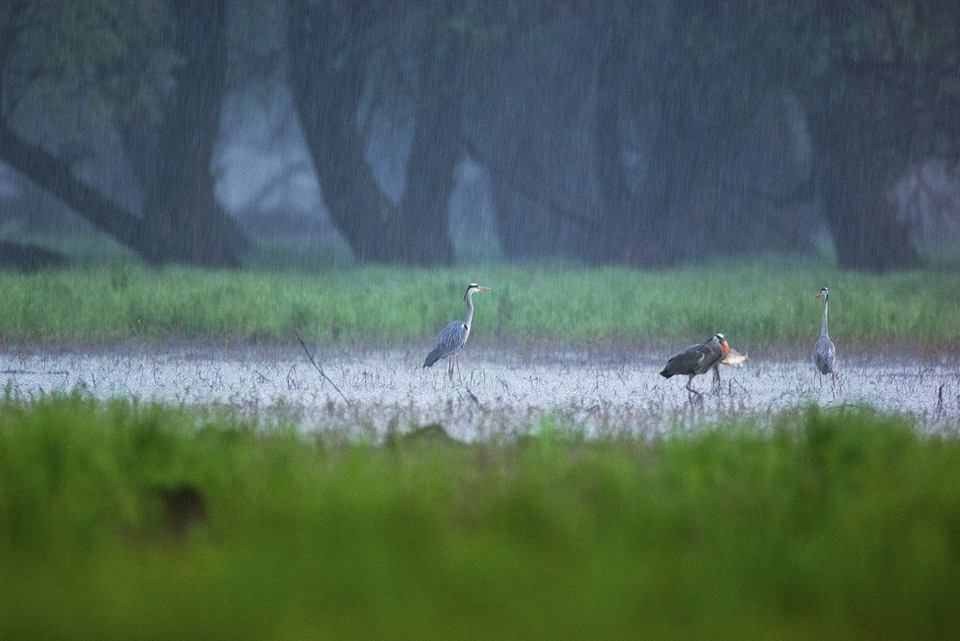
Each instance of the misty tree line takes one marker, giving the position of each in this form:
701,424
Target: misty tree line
640,133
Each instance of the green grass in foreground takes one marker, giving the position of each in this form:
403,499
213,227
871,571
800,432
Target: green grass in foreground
834,524
755,304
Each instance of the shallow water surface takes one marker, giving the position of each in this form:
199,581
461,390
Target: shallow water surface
492,393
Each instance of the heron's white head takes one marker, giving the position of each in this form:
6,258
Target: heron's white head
721,340
473,287
823,292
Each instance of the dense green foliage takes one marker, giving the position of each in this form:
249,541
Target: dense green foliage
755,304
99,53
830,524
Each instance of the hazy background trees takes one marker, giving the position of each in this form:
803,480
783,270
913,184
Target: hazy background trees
638,133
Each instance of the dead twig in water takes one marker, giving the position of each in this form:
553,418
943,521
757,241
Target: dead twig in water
739,384
319,369
472,397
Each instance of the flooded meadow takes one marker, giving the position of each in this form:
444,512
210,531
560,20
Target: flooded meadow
370,393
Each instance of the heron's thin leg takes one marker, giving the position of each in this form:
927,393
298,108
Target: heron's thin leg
453,360
694,394
717,384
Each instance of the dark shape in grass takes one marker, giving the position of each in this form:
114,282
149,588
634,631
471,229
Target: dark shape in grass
182,509
432,433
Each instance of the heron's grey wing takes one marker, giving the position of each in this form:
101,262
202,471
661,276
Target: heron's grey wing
710,355
824,355
685,362
449,342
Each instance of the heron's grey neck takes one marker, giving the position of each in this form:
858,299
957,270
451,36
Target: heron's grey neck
823,325
469,317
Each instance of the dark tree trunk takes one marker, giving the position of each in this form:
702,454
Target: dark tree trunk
632,106
53,175
327,77
431,165
619,213
29,258
172,153
860,152
530,123
637,227
327,81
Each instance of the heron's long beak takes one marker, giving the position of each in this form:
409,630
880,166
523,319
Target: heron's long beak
725,347
483,289
819,295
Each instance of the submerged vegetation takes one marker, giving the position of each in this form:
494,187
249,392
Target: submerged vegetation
127,520
755,304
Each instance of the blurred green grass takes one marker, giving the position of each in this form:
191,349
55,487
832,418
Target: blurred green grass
757,304
839,524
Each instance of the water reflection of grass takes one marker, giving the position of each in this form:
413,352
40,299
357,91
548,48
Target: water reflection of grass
755,304
126,520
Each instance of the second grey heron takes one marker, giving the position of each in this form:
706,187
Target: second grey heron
697,359
454,336
824,351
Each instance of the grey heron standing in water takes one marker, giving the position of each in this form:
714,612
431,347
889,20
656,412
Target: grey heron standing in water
825,352
697,359
453,337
